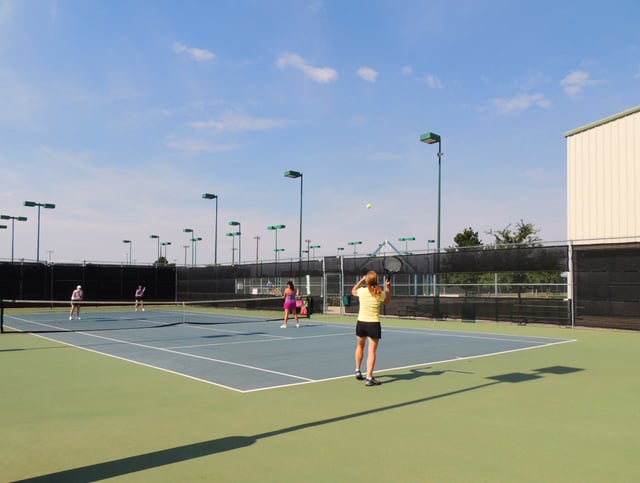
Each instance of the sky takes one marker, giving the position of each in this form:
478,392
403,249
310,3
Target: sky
123,113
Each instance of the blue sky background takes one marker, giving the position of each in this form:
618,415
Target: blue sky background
123,112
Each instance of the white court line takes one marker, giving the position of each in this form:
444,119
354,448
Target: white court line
273,339
486,336
152,324
210,359
259,369
421,364
303,380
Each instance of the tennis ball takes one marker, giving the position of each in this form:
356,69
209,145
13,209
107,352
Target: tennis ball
368,206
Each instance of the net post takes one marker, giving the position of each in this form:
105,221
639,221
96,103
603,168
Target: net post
184,308
1,316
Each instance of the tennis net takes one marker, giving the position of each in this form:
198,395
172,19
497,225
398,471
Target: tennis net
40,316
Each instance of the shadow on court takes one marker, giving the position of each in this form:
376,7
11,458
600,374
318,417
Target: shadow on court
243,334
18,349
133,464
414,374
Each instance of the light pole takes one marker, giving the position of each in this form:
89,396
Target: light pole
293,175
13,225
406,240
429,281
314,249
209,196
157,237
239,235
432,138
39,205
257,239
165,244
307,251
276,228
3,227
278,251
186,247
192,235
130,243
354,244
233,236
195,241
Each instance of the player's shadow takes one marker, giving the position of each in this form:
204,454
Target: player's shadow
17,349
413,374
155,459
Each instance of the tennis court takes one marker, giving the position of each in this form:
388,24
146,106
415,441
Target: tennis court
459,402
246,351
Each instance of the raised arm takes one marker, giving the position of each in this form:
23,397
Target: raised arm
387,291
354,290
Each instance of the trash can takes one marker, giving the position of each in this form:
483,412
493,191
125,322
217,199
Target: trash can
468,312
346,300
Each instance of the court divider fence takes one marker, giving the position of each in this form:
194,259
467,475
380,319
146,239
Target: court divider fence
590,285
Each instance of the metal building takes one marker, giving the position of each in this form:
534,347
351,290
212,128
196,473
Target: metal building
603,180
603,221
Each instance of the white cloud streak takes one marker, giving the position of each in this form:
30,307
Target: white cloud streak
239,123
520,103
194,146
322,75
434,82
6,11
200,55
367,73
576,82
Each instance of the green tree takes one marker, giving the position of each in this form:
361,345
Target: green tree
467,238
525,234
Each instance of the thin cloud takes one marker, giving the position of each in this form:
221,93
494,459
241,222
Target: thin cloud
198,146
316,7
323,75
6,12
200,55
576,82
433,82
239,123
407,70
520,103
367,74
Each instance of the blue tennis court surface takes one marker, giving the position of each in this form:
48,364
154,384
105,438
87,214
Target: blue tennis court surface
258,355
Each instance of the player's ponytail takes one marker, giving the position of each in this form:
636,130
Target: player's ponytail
371,278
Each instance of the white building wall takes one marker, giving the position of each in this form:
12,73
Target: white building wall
603,192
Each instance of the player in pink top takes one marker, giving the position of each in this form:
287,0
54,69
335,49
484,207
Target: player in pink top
290,296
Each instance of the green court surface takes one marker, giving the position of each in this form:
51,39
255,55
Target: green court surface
558,413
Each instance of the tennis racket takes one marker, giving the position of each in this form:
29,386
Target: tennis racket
391,266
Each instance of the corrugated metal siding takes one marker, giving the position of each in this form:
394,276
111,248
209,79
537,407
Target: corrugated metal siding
603,178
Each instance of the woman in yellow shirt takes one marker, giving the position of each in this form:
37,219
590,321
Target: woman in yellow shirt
371,297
